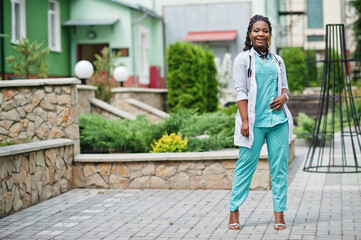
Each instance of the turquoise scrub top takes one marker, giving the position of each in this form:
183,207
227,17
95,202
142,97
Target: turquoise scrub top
267,84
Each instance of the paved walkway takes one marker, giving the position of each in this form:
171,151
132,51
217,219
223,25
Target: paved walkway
320,206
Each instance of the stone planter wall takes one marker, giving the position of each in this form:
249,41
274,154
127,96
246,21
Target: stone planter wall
85,93
33,172
41,109
204,170
162,174
154,97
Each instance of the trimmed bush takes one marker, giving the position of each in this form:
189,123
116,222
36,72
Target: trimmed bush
305,126
294,59
100,135
170,143
191,78
211,83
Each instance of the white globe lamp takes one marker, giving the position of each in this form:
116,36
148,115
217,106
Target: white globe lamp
83,70
121,74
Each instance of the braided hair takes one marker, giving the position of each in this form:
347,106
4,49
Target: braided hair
255,18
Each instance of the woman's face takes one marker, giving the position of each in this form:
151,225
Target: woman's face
260,35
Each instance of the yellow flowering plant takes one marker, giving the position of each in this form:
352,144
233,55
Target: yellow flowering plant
170,143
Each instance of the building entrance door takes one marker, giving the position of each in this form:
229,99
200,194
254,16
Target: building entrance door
87,51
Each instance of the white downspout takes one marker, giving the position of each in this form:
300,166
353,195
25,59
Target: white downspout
133,47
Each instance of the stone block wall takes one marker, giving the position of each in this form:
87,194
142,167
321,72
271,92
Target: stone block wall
85,93
154,97
188,170
30,177
126,106
168,174
205,174
34,110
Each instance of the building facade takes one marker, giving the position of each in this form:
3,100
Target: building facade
76,30
38,21
307,20
131,29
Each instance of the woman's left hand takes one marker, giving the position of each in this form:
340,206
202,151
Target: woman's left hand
278,103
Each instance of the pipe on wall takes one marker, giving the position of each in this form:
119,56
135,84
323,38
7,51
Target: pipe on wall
2,42
133,47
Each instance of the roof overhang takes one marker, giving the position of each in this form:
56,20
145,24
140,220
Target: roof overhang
211,36
90,22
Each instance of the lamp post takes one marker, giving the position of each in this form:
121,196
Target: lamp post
83,70
121,74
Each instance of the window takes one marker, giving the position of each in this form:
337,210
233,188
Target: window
314,14
315,38
54,26
18,24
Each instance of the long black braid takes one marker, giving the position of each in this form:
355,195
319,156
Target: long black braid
255,18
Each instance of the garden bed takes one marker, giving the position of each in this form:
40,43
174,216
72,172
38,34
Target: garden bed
186,170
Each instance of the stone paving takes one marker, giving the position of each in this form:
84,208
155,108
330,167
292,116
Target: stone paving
320,206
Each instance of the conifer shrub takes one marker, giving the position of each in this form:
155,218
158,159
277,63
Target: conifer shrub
98,134
104,65
191,78
30,59
211,82
295,61
305,125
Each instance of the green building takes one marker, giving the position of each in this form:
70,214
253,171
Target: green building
134,31
39,21
75,30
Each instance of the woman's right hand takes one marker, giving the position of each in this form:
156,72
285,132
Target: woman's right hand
245,129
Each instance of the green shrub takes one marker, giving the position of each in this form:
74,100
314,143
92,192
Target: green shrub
191,78
170,143
230,110
305,126
294,59
104,65
101,134
211,83
313,71
30,60
356,26
97,133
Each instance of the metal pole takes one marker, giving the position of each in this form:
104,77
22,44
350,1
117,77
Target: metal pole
307,71
2,42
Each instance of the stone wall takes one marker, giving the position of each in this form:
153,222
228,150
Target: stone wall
154,97
196,170
33,172
167,174
85,93
34,110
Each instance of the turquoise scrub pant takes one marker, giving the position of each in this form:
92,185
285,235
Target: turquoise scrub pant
277,145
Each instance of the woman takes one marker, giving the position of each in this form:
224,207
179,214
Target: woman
261,91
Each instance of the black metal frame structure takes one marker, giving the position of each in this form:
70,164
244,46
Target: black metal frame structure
336,139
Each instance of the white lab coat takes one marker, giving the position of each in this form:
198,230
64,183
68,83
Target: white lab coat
246,89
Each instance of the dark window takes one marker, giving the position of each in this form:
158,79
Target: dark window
316,38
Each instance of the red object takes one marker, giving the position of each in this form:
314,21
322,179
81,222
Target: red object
211,36
155,79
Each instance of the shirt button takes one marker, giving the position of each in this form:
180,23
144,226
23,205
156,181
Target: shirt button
275,80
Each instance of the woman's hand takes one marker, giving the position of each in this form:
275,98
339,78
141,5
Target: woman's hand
245,129
278,103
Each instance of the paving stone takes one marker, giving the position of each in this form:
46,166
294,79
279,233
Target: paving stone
319,207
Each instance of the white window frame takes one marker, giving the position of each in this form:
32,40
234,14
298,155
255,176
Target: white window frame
54,36
143,46
22,21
